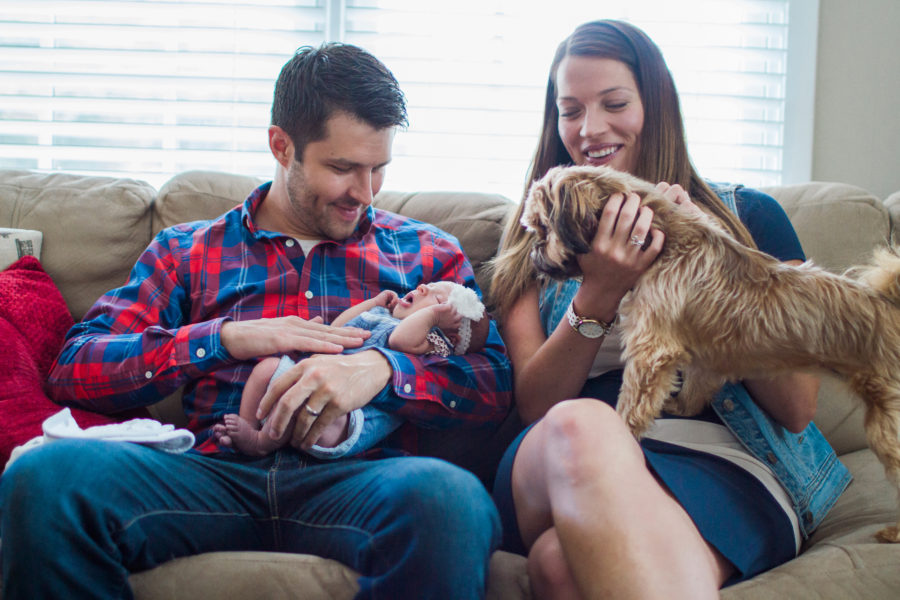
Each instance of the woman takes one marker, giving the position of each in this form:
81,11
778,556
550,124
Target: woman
689,509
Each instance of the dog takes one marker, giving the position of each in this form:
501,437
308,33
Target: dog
710,310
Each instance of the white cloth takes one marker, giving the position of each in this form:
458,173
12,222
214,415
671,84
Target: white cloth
147,432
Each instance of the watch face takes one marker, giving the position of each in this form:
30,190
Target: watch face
590,329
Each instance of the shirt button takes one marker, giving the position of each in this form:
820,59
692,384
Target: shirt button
289,243
407,388
149,374
200,352
453,404
771,458
728,404
308,295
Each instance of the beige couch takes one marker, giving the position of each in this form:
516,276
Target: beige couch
94,229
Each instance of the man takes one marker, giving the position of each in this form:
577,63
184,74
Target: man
205,302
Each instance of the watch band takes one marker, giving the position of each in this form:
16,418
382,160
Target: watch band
589,328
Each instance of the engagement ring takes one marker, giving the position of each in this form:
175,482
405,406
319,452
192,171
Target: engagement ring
637,241
314,413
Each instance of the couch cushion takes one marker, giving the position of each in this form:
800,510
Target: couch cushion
198,196
94,228
34,320
283,575
842,558
838,223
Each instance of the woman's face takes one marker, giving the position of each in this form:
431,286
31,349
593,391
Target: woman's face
600,112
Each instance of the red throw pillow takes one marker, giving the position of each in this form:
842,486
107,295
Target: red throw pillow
34,320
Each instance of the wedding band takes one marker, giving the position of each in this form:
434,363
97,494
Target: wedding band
314,413
637,241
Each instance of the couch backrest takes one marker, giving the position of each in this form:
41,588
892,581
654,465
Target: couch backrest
838,224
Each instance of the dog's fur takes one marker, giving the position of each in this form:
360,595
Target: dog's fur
716,311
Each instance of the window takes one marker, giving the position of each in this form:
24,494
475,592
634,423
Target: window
149,88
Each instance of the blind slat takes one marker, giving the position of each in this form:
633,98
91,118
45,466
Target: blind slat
150,87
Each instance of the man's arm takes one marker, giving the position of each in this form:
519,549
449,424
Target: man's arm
429,391
137,344
473,389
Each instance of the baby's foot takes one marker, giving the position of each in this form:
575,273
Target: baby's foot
241,435
220,434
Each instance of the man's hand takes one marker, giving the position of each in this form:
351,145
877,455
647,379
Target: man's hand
318,390
261,337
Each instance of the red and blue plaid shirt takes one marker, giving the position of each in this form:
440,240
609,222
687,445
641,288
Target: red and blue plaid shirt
160,331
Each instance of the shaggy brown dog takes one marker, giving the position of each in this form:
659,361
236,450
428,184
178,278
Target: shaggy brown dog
717,311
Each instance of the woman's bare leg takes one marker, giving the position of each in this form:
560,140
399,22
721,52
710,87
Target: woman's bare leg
622,535
548,571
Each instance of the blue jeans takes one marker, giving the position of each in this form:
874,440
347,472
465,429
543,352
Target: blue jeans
79,516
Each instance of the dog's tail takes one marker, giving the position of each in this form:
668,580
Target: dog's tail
882,274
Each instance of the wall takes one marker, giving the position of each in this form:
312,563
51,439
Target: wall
857,115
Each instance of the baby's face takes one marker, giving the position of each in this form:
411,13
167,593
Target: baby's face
426,294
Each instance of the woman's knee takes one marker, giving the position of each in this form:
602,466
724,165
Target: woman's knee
586,430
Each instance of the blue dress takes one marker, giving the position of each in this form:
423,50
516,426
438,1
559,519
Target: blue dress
731,508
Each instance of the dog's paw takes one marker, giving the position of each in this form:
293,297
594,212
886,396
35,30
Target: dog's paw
889,535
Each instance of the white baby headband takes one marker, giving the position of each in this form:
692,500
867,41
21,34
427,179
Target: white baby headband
465,301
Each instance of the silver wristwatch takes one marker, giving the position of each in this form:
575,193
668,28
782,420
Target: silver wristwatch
589,328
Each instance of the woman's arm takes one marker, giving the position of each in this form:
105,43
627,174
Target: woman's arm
545,370
548,370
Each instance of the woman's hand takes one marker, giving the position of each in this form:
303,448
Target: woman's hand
624,246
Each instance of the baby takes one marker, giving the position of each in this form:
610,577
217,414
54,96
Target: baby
442,318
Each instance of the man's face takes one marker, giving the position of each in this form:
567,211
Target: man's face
337,177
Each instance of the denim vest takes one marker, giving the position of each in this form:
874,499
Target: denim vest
804,463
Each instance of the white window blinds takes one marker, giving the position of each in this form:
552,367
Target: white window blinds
149,88
144,88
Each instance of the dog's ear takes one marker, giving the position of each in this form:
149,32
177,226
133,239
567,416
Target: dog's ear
575,215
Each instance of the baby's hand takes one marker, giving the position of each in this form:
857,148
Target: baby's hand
387,299
447,320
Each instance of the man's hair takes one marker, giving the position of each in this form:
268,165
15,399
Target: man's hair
318,82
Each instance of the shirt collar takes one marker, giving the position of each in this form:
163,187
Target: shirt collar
251,205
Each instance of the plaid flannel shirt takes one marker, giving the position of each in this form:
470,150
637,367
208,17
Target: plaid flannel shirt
160,331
